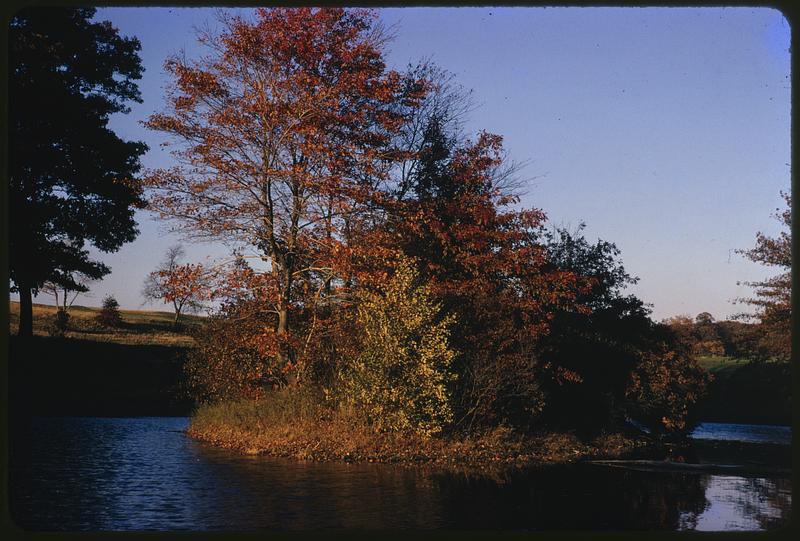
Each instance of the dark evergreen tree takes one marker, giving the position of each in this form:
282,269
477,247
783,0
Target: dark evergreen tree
71,179
623,364
109,315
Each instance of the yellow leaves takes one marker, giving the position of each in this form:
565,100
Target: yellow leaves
400,378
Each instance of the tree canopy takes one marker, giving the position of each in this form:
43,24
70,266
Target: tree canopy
280,134
374,242
71,179
773,297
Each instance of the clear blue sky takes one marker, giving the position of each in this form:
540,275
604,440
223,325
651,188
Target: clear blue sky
666,130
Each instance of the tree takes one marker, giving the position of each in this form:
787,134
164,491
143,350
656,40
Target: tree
65,288
184,286
664,388
484,263
593,341
70,177
109,315
281,133
222,366
614,357
702,335
704,318
773,297
401,378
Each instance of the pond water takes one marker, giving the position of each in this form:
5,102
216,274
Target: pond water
781,435
145,474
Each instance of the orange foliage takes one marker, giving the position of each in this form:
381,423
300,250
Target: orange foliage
483,261
281,134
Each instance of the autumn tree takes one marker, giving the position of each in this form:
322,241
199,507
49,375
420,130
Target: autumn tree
614,355
185,286
70,176
703,335
280,133
483,263
222,366
773,297
664,389
682,326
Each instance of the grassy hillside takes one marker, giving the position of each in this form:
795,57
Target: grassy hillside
135,369
719,364
140,327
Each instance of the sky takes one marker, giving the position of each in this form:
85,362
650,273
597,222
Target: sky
665,130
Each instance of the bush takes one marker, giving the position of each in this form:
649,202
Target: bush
401,376
60,324
222,366
664,390
109,315
276,408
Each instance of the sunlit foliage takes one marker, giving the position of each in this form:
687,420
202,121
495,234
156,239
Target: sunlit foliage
400,378
663,388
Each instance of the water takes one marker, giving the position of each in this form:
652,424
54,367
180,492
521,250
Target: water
781,435
144,474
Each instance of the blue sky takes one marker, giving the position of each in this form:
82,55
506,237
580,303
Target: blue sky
666,130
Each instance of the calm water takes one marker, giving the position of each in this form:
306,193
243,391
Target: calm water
144,473
748,433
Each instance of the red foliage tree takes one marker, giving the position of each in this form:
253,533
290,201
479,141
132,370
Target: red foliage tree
484,263
185,286
281,134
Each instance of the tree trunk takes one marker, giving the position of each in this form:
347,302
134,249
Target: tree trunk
283,320
25,312
284,355
178,307
283,327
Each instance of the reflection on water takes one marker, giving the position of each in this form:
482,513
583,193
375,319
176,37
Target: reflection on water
144,473
737,503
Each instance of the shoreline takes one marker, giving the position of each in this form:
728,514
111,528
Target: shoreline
334,440
501,452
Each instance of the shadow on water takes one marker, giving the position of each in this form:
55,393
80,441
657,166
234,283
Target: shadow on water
144,473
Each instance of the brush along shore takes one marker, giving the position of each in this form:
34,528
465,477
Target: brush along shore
260,427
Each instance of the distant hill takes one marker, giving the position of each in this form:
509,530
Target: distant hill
144,327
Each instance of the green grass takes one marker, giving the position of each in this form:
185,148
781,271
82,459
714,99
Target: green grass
720,364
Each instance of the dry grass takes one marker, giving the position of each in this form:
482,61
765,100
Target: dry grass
274,426
140,327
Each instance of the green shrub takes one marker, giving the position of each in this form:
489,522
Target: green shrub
400,378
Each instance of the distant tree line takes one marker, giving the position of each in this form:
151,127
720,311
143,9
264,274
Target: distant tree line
763,335
708,337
